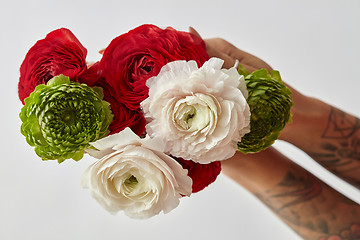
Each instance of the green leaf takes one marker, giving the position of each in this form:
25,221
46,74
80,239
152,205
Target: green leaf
99,91
243,71
58,80
276,75
258,74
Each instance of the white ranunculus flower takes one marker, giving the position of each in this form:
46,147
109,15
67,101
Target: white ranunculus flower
134,175
199,113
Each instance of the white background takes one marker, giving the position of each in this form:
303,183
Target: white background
315,45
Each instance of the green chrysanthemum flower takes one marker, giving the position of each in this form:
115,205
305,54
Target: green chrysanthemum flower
60,118
270,103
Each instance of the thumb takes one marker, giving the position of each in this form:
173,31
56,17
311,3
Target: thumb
213,52
194,32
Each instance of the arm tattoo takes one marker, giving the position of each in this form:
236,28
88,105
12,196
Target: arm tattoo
350,233
340,149
311,189
340,125
293,192
306,203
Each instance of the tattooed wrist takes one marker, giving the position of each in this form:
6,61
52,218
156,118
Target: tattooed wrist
339,146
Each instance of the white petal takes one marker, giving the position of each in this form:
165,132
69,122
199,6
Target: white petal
213,63
105,145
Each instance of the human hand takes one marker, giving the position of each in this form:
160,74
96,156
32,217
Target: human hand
220,48
312,121
303,106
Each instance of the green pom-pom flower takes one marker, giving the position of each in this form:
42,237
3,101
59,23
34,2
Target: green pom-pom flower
270,103
61,118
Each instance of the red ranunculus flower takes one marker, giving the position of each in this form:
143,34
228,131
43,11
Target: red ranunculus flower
134,57
59,53
123,117
201,174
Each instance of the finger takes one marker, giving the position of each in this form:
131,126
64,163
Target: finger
248,58
212,52
257,63
228,61
227,48
194,32
228,57
234,52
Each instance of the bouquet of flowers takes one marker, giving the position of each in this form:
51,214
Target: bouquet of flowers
156,112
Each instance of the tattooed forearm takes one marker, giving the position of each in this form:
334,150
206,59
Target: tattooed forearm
340,125
339,147
310,189
290,195
310,206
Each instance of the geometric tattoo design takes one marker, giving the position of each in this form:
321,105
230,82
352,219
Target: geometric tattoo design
340,125
341,141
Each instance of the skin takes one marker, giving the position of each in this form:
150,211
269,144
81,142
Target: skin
331,137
